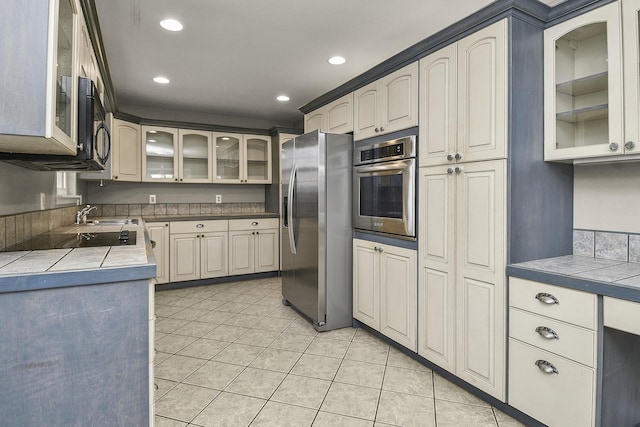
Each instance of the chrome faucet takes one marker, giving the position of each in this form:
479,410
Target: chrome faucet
81,216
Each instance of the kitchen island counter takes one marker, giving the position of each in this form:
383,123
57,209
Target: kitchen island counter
616,279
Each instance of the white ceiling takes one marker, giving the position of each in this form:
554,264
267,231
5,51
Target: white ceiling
235,56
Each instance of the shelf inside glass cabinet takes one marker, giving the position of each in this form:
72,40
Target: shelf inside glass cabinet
595,112
584,85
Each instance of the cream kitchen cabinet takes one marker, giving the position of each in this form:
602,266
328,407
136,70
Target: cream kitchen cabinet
38,103
552,353
385,290
241,158
159,236
124,163
462,259
198,249
195,154
253,246
335,117
387,105
463,99
588,68
159,154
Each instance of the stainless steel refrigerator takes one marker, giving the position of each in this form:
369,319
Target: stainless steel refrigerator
316,237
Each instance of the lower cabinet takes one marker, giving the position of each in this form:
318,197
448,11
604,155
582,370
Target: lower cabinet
385,290
552,353
159,235
253,246
198,250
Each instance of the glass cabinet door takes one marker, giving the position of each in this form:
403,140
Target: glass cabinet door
195,156
159,154
258,158
631,43
583,111
65,81
227,157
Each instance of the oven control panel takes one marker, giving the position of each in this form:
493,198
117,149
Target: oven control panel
401,148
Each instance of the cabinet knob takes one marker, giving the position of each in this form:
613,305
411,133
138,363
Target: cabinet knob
253,233
377,130
153,244
380,249
381,128
449,171
115,177
629,145
547,298
180,179
458,169
166,225
458,156
175,179
450,157
614,146
547,333
546,367
257,232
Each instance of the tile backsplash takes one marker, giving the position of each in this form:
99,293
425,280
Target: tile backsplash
607,245
18,228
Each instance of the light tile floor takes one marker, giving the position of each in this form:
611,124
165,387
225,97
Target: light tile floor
232,355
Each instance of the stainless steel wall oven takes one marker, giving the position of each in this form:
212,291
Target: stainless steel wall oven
384,187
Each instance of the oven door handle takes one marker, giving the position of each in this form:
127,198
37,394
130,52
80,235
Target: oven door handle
291,194
394,166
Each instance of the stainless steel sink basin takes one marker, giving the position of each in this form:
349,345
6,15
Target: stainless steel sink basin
124,221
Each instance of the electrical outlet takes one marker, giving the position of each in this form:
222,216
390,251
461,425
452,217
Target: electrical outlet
43,202
152,199
218,198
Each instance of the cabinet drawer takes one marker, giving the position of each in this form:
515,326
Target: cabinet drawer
571,306
198,226
622,315
253,224
565,398
572,342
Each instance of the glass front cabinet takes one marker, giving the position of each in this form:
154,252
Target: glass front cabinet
242,158
159,154
590,110
194,156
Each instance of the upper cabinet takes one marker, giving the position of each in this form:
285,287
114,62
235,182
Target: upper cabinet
241,158
194,156
387,105
159,154
38,99
585,61
463,99
335,117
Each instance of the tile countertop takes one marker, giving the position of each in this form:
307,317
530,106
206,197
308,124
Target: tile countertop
600,276
54,268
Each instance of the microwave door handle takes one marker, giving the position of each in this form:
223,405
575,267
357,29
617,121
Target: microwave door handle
106,144
290,220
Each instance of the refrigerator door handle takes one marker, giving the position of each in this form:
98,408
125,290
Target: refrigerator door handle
292,181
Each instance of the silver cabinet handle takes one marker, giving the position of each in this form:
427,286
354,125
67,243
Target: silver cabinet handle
449,171
629,145
381,249
450,157
199,225
547,298
614,146
546,367
254,223
377,130
458,156
153,244
381,128
458,169
547,333
375,248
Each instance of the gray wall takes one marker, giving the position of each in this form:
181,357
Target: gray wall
21,188
136,192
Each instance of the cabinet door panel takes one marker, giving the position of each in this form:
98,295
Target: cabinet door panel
398,289
213,250
314,121
159,154
437,204
126,163
482,94
185,257
339,115
436,321
631,56
195,156
240,252
438,106
257,159
365,104
366,291
266,252
400,99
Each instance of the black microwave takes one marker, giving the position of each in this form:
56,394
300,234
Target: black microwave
94,139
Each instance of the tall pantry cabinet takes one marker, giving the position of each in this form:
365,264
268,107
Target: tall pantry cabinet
486,196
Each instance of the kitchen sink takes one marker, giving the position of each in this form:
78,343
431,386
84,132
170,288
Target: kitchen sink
124,221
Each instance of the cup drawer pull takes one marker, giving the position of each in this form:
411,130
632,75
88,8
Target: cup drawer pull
547,333
547,298
546,367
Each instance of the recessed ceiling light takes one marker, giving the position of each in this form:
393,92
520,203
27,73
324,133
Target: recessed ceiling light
171,25
161,80
282,98
337,60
